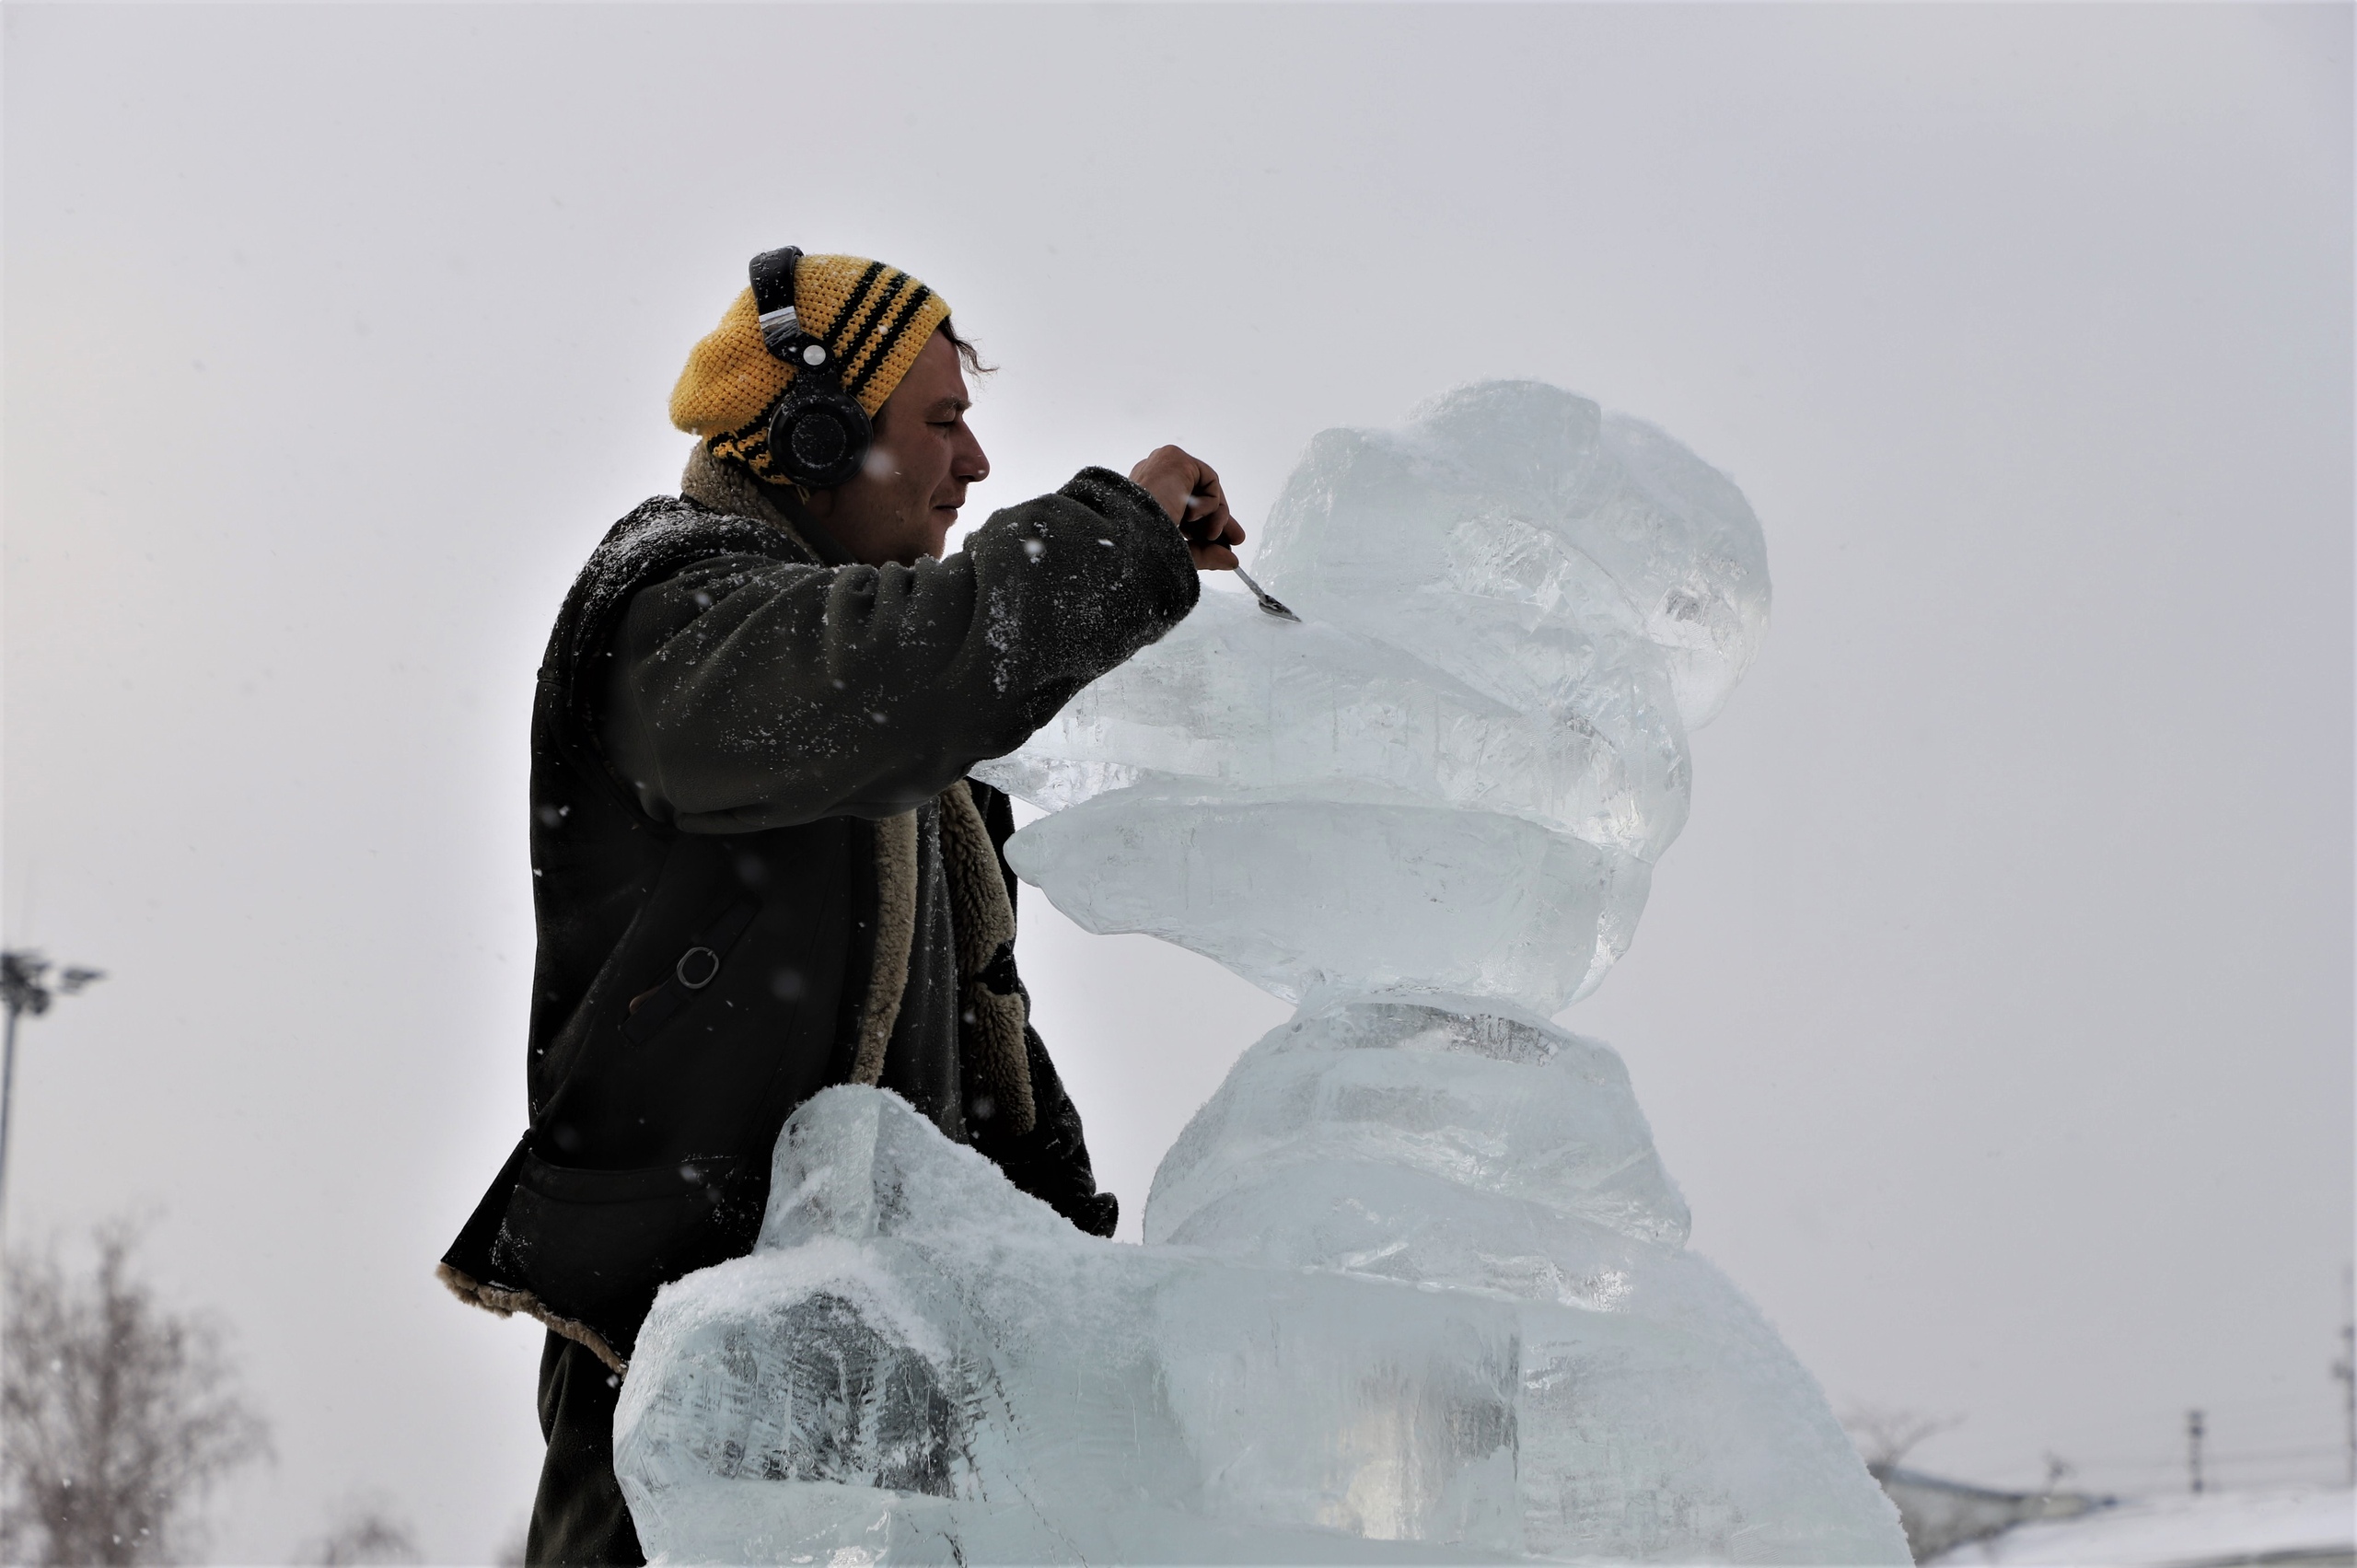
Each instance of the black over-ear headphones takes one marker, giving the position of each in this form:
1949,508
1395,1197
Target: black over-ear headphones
818,433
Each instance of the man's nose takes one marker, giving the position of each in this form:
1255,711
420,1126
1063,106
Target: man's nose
973,465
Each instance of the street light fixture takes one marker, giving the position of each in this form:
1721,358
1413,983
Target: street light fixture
23,990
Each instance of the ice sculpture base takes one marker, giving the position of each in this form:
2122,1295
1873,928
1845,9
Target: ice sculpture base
1429,1301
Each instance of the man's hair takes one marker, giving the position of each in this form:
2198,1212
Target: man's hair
966,352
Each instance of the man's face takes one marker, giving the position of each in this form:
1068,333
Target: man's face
903,501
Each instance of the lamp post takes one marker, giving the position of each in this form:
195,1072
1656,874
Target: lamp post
2344,1371
24,991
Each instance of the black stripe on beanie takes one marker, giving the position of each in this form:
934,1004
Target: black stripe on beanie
840,334
909,309
853,347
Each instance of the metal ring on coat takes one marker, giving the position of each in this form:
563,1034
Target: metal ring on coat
681,968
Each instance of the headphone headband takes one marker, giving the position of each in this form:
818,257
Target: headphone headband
773,274
817,434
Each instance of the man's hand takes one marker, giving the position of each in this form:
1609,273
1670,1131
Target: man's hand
1190,491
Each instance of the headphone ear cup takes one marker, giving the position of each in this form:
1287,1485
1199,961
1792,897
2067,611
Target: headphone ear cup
818,437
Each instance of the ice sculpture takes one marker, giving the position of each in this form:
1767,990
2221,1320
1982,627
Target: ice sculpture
1457,776
1415,1286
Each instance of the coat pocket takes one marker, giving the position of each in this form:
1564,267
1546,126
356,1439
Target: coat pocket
595,1245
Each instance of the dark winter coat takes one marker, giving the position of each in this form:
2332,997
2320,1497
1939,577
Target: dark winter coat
760,870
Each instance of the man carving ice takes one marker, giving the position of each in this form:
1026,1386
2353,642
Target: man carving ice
759,866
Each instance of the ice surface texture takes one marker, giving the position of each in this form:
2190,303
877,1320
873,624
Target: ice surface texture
1388,1340
1515,608
1415,1286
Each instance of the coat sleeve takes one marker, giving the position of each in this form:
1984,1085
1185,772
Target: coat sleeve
747,693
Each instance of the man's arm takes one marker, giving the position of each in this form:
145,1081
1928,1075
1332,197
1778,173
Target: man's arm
749,693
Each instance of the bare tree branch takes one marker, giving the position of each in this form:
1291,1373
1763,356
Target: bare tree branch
117,1415
1885,1434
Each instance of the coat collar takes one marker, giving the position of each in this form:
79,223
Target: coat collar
708,481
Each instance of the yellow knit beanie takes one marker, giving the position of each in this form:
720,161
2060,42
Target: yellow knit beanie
874,319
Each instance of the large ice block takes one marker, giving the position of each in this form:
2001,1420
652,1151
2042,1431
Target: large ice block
1304,895
1525,539
918,1364
1238,700
1513,608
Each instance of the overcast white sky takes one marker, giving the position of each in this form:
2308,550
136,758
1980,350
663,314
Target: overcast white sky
1995,1010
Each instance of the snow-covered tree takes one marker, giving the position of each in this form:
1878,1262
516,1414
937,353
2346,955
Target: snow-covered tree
117,1415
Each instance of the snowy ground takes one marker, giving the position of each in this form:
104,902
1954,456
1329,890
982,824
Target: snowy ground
2304,1527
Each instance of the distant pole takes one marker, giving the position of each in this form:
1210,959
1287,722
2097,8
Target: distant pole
7,1101
21,989
2346,1370
2193,1448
